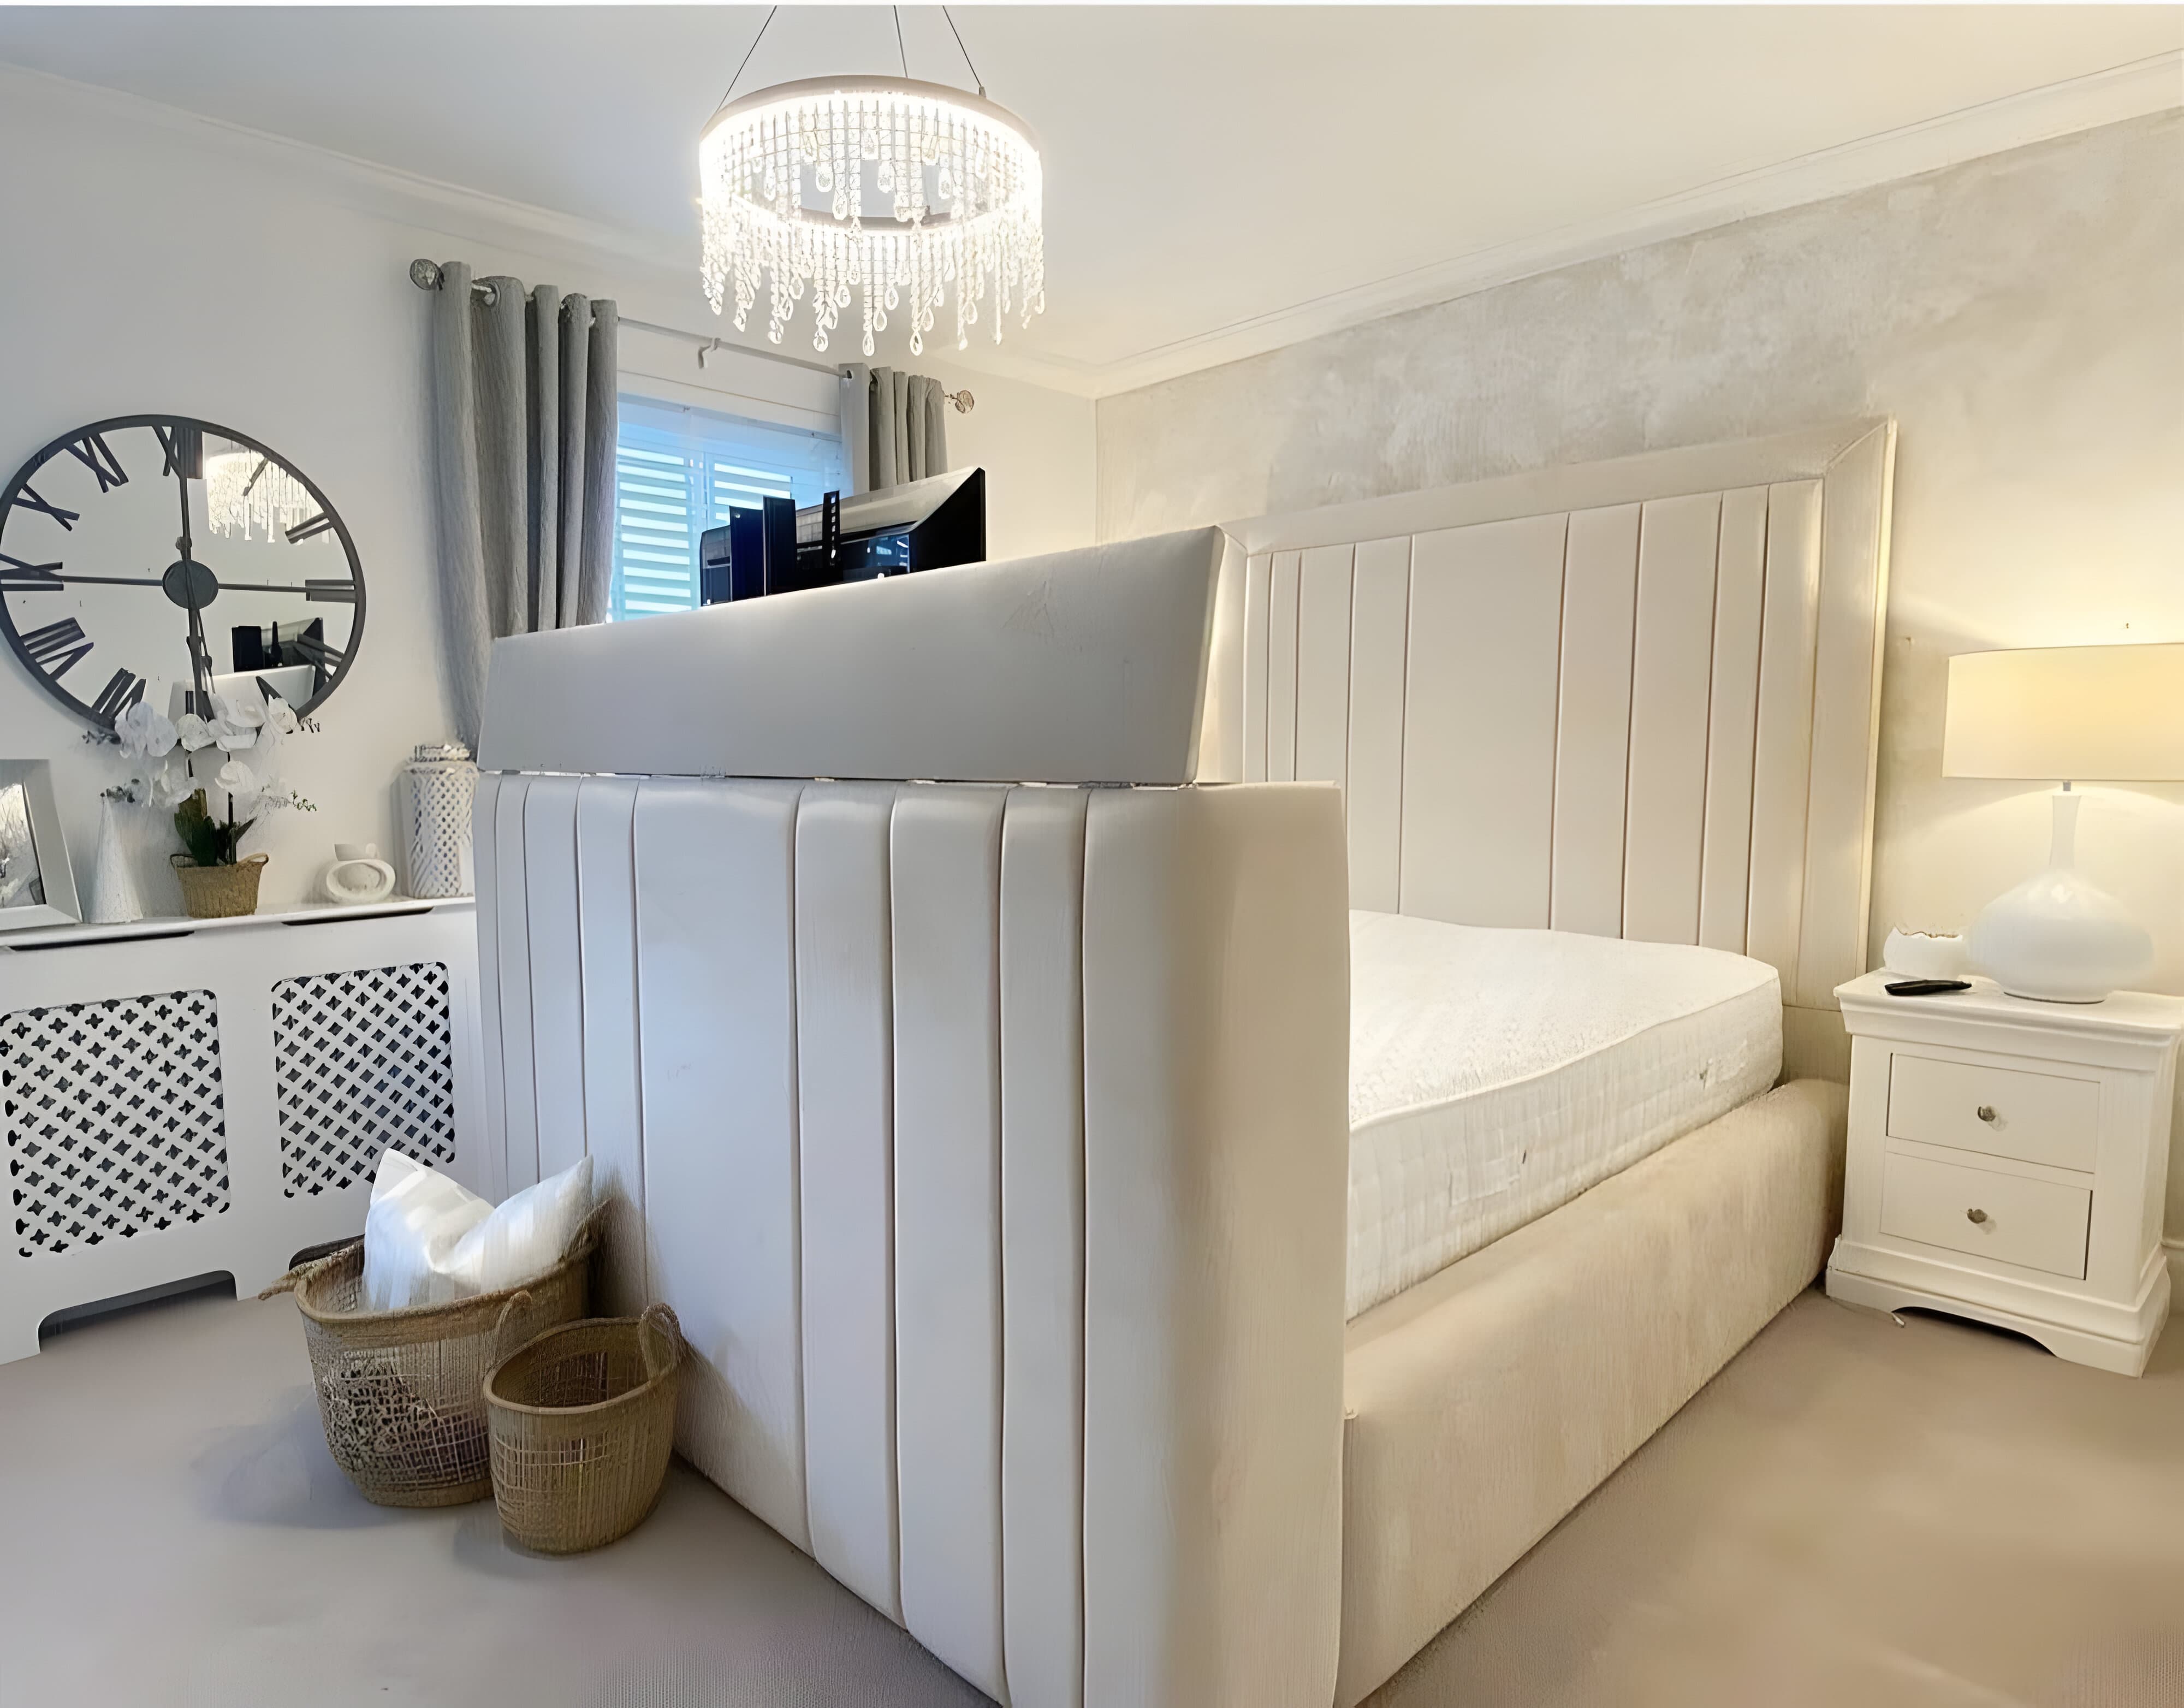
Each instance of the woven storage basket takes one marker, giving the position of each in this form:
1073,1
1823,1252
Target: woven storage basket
583,1421
219,892
401,1393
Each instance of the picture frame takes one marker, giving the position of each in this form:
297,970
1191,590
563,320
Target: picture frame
37,884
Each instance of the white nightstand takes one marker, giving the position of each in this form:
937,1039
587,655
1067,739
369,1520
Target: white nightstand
2008,1160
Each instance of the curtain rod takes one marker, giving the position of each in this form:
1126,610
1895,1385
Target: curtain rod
426,276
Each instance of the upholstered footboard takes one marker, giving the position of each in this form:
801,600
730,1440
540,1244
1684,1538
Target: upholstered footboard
991,1143
1484,1404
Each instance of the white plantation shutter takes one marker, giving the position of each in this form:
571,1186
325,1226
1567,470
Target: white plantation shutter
679,471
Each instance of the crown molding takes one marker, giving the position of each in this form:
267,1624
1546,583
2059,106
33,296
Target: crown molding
2081,103
663,268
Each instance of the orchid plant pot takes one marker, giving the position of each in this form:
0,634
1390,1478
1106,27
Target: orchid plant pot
218,882
226,891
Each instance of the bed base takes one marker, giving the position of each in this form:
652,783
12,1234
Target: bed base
1481,1405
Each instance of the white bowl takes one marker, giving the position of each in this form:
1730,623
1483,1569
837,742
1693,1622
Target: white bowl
1923,954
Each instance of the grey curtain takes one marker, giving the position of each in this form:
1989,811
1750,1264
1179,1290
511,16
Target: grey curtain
523,399
895,426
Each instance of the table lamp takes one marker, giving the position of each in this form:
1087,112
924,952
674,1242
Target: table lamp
2067,714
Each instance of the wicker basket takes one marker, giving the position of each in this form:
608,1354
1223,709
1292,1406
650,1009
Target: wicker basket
401,1393
219,892
583,1421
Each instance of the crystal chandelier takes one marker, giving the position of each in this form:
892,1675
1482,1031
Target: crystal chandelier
247,488
880,188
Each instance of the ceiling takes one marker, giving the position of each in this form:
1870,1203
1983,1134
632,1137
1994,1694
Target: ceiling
1218,178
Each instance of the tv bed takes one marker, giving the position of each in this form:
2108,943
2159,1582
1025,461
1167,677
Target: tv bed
952,980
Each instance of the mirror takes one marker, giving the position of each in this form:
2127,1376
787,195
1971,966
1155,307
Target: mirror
155,551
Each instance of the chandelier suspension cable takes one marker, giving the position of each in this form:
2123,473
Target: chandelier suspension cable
901,51
964,51
752,49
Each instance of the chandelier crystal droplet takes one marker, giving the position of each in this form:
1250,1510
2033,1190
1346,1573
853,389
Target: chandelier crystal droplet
791,174
245,489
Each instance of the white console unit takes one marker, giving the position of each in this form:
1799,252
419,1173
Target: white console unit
181,1098
2007,1163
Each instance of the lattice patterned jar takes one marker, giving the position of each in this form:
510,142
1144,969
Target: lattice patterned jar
438,783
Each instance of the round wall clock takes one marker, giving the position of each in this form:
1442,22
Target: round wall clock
155,551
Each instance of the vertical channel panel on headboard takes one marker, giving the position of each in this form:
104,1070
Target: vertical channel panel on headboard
1258,582
485,841
1740,589
1042,1044
1592,738
1781,771
613,1098
944,860
1379,632
1670,675
713,881
1846,730
519,1081
1322,694
557,979
1282,668
1485,637
845,1092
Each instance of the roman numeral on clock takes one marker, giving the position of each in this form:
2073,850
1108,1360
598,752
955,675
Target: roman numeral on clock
19,576
303,530
123,689
28,499
57,647
182,446
96,454
330,592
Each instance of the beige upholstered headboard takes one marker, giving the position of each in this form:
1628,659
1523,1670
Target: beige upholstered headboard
1638,697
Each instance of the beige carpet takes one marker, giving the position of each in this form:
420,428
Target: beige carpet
1856,1514
1852,1513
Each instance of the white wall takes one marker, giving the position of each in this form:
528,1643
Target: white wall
2017,314
166,263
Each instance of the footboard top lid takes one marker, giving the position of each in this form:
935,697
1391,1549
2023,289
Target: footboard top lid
1077,667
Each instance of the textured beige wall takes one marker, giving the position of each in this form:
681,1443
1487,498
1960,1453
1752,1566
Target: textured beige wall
2022,316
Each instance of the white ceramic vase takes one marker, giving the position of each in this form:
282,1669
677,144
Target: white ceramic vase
2058,937
114,898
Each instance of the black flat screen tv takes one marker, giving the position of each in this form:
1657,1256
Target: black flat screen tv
922,524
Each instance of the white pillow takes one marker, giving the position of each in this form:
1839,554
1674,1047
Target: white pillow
427,1239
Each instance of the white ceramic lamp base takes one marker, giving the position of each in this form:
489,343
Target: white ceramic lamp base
2057,937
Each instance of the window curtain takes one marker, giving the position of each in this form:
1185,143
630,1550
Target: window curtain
894,427
523,400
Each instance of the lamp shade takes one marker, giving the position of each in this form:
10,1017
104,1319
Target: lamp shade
2067,714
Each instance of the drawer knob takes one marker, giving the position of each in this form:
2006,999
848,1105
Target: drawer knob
1978,1217
1987,1112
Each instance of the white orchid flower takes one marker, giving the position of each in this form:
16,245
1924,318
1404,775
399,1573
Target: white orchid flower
239,780
242,711
192,732
144,734
280,716
171,788
233,737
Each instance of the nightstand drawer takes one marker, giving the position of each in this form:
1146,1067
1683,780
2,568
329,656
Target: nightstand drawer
2003,1112
2035,1224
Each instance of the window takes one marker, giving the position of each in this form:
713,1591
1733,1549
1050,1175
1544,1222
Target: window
679,471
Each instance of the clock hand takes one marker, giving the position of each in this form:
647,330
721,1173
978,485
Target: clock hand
200,659
305,588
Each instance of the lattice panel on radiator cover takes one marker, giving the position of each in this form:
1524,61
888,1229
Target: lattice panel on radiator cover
361,1059
115,1117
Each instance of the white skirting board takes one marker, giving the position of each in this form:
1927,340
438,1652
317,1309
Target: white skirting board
188,1097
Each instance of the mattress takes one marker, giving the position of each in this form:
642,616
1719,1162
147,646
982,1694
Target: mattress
1495,1075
